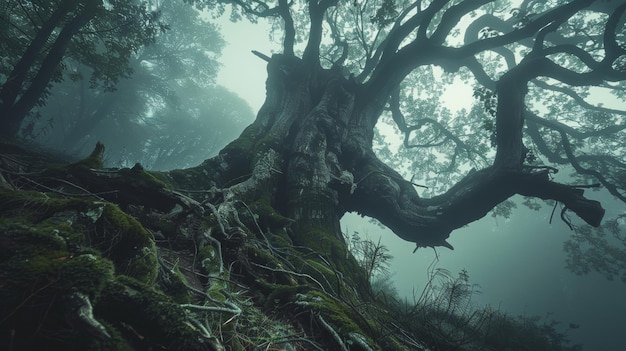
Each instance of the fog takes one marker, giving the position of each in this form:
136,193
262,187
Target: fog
518,263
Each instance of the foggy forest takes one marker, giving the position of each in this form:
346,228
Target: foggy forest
313,175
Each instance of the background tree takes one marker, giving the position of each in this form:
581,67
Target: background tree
37,35
168,114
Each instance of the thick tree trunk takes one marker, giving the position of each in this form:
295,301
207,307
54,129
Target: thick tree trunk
321,124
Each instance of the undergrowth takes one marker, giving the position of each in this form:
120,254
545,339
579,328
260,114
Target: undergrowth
444,316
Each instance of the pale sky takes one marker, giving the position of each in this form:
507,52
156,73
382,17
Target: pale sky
243,72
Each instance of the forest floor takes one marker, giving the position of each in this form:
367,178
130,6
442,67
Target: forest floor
121,259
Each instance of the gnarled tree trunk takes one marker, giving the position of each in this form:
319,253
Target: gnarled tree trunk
321,126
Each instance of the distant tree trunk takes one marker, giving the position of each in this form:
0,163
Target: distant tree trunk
17,100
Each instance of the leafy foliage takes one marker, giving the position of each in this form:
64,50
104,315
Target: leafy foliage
601,250
37,35
168,114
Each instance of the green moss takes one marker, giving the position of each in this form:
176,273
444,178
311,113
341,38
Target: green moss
196,178
139,177
86,273
245,143
74,225
322,273
36,279
327,244
209,260
322,241
279,238
34,207
174,284
263,145
88,163
262,257
151,314
115,343
163,178
46,276
43,254
94,160
268,216
281,294
123,239
340,316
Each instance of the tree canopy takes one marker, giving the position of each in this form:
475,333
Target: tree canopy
38,35
167,114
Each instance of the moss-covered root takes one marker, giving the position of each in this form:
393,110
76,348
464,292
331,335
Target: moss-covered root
56,257
149,320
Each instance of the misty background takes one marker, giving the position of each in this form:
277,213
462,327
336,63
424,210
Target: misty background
178,116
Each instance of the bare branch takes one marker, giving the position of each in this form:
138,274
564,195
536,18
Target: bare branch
260,10
261,56
339,42
428,222
583,103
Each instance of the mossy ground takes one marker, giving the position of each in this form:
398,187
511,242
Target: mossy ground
55,244
175,277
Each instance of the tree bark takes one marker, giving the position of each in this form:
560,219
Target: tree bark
321,124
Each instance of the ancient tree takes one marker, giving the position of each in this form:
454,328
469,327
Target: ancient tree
186,259
324,100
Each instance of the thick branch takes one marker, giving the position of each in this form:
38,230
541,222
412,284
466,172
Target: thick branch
339,42
395,65
452,17
316,14
546,68
260,10
557,14
570,155
611,47
290,32
539,185
381,193
582,102
510,119
391,41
